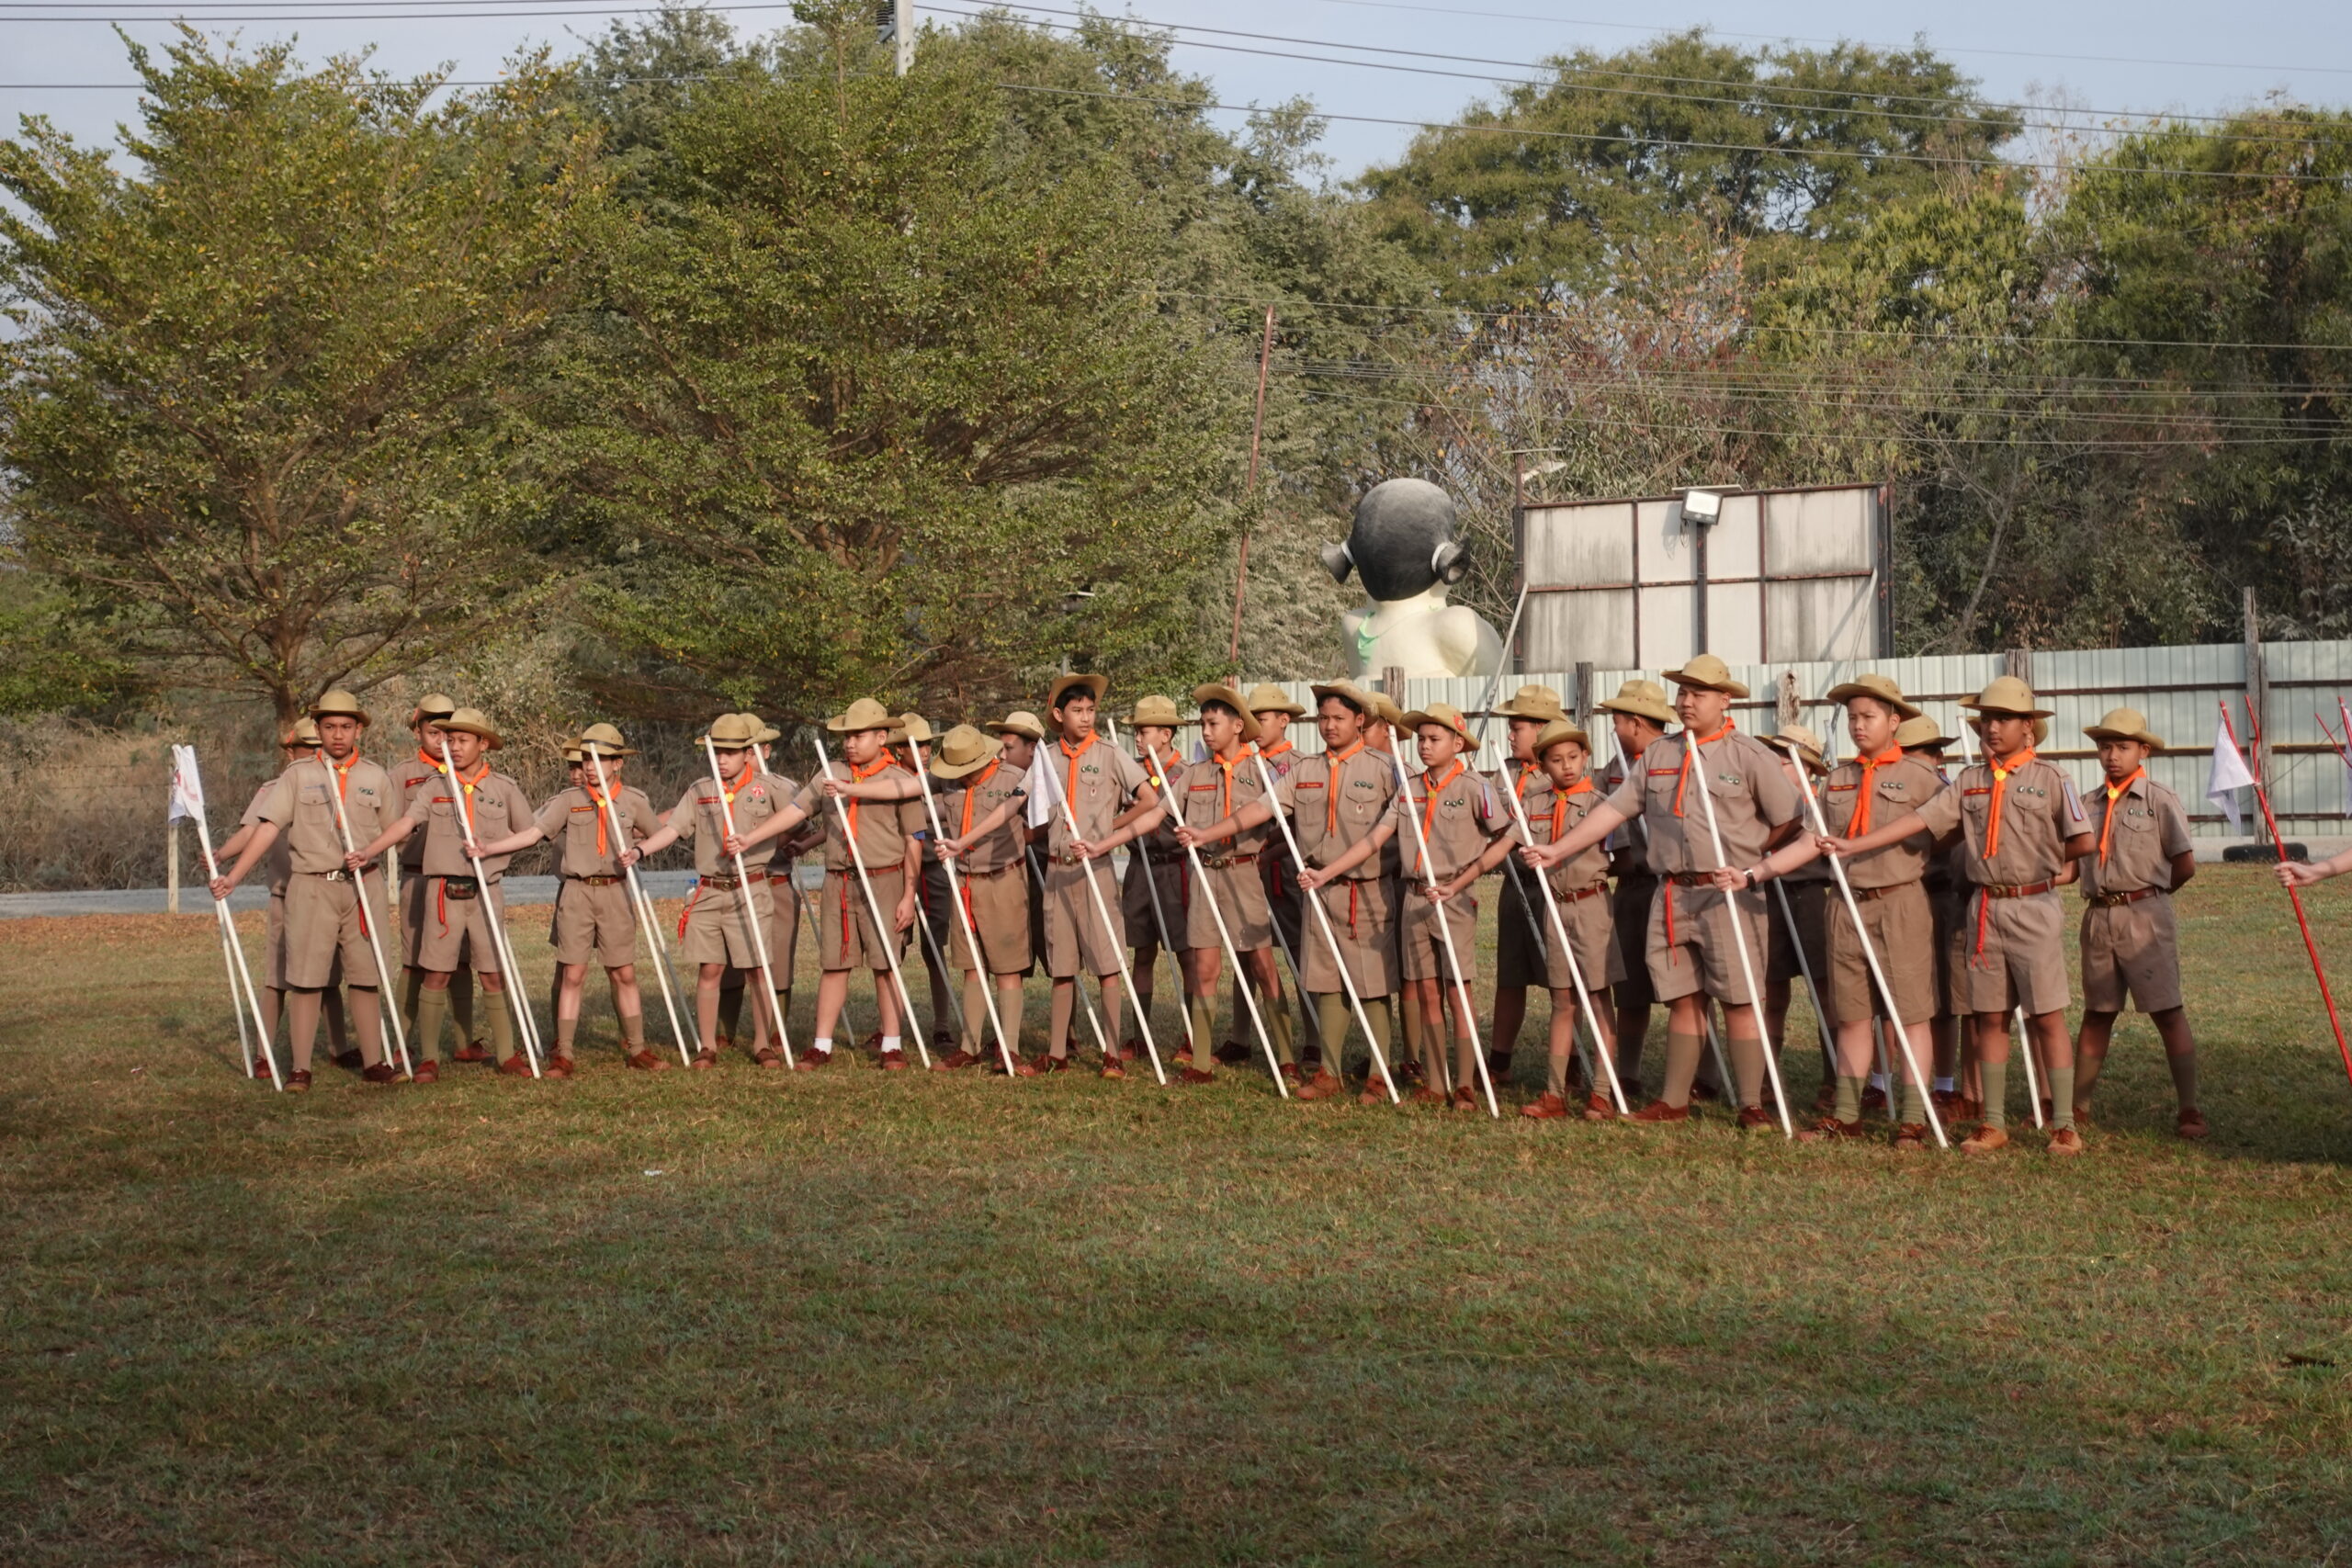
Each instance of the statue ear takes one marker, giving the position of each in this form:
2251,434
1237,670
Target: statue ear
1450,561
1337,561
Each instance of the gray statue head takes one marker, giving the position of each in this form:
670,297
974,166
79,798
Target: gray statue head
1402,543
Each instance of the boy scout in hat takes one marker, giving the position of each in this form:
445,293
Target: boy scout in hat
473,806
1881,782
933,907
1521,938
593,916
1337,802
780,925
298,744
410,775
1156,892
1274,709
2021,823
1791,954
1638,716
1924,741
1384,733
1557,802
2129,946
982,785
330,906
1693,924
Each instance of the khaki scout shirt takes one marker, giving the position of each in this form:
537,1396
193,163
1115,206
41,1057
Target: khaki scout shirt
280,862
2150,828
1552,815
1097,782
494,802
408,776
1464,815
1752,795
1897,789
1161,840
701,816
883,826
1335,799
2039,811
971,800
573,822
1211,791
1285,756
299,801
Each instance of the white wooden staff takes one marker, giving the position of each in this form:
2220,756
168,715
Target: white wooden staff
751,903
367,926
2017,1012
1870,952
1313,896
243,997
1103,913
1445,936
963,916
1601,1048
1739,940
642,905
511,980
885,929
1142,851
1224,935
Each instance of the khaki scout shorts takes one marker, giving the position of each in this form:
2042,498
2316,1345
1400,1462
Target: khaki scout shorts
1521,932
998,904
847,937
1592,932
2134,949
325,926
1901,925
780,926
456,932
714,931
1173,880
274,928
2021,959
1363,920
1629,909
1279,875
593,920
1074,935
1240,894
1809,903
1690,942
935,908
1423,928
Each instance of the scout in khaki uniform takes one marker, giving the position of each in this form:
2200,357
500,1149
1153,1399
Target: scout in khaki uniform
1208,791
410,775
1337,802
330,906
1881,783
1558,802
592,914
1692,922
299,744
979,793
2021,823
883,804
1521,938
1924,743
1274,709
1384,734
932,909
474,805
780,921
1790,954
1155,865
1638,716
2130,947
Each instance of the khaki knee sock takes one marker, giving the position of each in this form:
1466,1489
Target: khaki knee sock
2062,1098
1331,1020
1850,1098
979,1038
1682,1053
411,987
502,1029
2184,1076
1748,1069
1203,1011
1008,1008
1996,1079
1413,1052
566,1030
1276,1009
1378,1009
632,1033
1914,1112
432,1011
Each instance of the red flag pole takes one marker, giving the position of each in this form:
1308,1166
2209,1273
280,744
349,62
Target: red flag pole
2263,796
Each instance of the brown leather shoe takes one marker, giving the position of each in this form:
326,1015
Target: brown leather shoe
1830,1130
645,1061
1425,1095
427,1071
1545,1106
472,1051
1967,1110
808,1061
1292,1076
1409,1072
261,1066
1600,1108
1373,1095
1111,1068
1910,1137
1038,1066
1133,1050
298,1082
1874,1100
559,1066
1985,1140
350,1061
1192,1074
2064,1140
515,1067
768,1057
1322,1086
872,1042
383,1072
1231,1051
1753,1116
1465,1099
2191,1124
705,1059
956,1061
1658,1112
894,1061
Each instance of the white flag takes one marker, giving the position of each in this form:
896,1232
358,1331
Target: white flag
1045,789
2229,775
187,786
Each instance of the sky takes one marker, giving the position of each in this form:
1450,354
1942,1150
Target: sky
2157,56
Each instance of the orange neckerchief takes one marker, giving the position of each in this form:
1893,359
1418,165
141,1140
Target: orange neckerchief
1689,748
1431,793
466,787
1526,771
1070,784
340,772
1226,768
1560,805
1278,750
603,845
858,775
1860,823
2001,771
2116,792
1331,761
972,789
427,758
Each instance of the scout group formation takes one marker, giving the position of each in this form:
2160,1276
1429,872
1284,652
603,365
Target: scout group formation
1922,910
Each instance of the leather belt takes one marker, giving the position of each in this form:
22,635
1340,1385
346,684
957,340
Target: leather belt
724,884
598,881
1249,858
1574,894
2110,900
1691,878
1063,857
1160,857
1864,895
2014,890
784,875
341,874
992,871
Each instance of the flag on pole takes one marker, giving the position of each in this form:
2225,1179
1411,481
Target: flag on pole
1045,789
187,786
2229,775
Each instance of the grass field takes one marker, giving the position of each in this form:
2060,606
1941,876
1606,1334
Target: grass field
746,1317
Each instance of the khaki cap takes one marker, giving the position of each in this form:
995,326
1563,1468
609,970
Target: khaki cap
1155,710
433,704
2124,724
1267,697
1878,689
1445,716
916,728
1642,699
2007,694
1022,722
1921,733
1531,701
862,715
339,703
1796,737
301,732
1560,729
1709,674
731,732
1348,692
474,721
605,741
964,751
1218,692
1095,687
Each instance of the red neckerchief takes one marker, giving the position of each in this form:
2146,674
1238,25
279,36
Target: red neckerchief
1689,749
1870,765
2116,792
2001,771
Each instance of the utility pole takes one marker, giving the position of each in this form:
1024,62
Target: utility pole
894,22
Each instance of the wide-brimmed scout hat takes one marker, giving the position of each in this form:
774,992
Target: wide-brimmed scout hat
1560,729
1156,709
1348,692
1803,742
1020,722
434,705
1267,697
2007,694
1385,709
962,753
767,734
1708,673
862,715
1539,703
338,704
1878,689
914,726
1642,699
474,721
2041,728
605,741
1218,692
1094,685
731,732
301,732
1445,716
2124,724
573,756
1915,733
